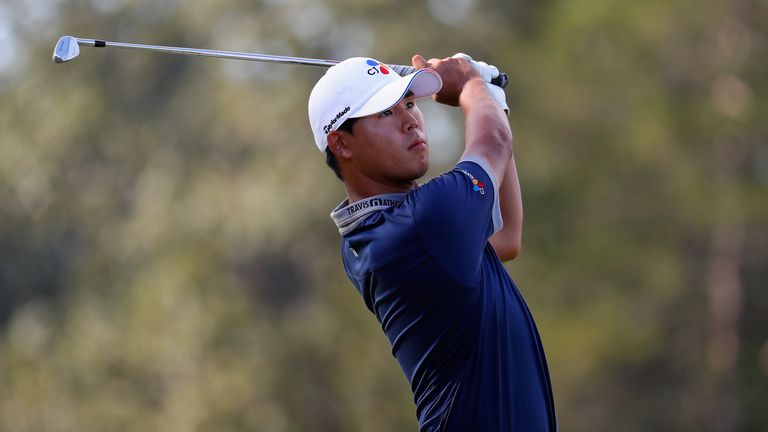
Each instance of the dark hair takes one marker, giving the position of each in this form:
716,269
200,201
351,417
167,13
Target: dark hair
330,158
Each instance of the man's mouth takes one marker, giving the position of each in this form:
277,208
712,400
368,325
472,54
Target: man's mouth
418,144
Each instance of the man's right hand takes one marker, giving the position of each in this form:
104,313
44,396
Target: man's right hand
455,72
454,80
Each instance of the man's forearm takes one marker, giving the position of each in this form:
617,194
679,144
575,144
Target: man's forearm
507,241
486,128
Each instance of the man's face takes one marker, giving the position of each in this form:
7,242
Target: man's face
391,147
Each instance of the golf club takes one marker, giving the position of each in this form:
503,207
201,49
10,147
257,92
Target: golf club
68,48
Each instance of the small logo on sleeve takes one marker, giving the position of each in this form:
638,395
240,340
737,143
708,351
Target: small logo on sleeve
377,67
477,185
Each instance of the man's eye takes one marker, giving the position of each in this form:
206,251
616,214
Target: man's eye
385,113
410,104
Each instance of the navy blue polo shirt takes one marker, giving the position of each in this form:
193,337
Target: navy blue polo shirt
458,326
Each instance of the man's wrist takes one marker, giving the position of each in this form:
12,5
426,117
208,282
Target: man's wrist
474,87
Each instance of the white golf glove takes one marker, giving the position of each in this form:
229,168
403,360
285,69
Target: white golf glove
488,72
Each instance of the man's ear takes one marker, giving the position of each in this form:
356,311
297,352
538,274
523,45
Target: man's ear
338,143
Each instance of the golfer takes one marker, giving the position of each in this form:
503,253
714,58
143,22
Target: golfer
427,258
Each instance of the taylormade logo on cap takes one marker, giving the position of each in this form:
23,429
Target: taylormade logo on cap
358,87
329,127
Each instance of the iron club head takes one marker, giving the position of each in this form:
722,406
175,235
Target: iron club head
66,49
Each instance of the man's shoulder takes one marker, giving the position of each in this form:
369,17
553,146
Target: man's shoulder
380,237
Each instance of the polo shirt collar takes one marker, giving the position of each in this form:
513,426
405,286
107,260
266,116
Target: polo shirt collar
348,216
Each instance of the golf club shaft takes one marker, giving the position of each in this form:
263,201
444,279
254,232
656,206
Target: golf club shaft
208,53
500,81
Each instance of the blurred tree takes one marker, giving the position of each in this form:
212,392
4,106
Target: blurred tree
167,261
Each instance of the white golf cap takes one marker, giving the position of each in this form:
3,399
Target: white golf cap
361,86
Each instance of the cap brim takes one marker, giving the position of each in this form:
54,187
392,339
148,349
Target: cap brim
423,82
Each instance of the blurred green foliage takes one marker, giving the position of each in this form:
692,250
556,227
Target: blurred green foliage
167,261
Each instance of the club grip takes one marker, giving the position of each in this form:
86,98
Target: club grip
502,80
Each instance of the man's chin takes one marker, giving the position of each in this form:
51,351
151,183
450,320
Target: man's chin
421,172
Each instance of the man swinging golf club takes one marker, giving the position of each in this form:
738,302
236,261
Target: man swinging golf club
427,259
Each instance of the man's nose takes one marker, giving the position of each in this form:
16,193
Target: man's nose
409,120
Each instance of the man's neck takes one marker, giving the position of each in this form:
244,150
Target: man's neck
358,192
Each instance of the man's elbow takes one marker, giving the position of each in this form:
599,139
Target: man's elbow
514,252
510,252
501,137
507,247
495,139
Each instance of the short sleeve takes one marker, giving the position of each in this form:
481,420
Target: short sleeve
457,212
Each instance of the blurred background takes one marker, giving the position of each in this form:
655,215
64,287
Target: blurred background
167,260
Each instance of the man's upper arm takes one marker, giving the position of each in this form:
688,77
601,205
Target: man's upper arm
487,131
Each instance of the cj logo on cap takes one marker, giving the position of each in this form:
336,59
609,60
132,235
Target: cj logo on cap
377,67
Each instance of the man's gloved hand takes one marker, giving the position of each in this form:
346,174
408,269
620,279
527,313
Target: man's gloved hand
488,72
